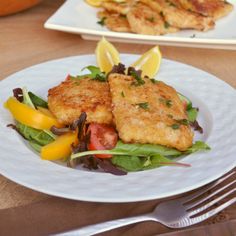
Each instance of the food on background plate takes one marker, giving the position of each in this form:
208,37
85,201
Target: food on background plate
119,121
159,17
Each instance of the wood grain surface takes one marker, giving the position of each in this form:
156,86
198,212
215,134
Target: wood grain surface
24,42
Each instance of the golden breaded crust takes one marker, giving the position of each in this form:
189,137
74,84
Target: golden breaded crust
114,21
214,8
153,122
67,100
179,17
143,20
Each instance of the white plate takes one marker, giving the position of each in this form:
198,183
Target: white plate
78,17
215,99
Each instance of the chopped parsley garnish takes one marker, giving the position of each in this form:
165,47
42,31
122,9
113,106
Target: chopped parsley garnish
168,103
151,19
175,126
102,21
143,105
183,122
154,81
162,14
193,36
95,74
136,75
122,94
172,4
166,24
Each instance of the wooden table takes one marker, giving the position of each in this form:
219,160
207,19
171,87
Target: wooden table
24,42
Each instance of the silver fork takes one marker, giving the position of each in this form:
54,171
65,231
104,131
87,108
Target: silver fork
177,213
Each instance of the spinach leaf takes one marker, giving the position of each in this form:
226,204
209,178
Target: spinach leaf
31,134
37,101
156,161
129,163
197,146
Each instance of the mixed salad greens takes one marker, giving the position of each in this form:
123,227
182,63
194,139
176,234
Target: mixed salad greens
73,143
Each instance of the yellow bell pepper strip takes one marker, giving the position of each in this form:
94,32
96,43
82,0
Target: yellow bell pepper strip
60,148
46,112
29,116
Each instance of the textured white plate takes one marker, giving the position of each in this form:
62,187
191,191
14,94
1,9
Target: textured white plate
78,17
215,99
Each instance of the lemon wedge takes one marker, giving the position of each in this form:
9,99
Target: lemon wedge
107,56
149,62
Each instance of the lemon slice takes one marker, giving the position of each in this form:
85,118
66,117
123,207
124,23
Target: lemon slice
107,55
149,62
94,3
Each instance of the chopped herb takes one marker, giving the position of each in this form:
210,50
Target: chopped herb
102,21
175,126
122,94
137,76
161,14
170,116
151,19
143,105
193,36
172,4
154,81
166,24
183,122
168,103
123,16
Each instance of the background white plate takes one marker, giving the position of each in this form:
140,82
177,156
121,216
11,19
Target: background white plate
215,99
78,17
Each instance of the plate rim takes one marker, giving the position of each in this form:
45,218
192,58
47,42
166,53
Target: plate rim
105,199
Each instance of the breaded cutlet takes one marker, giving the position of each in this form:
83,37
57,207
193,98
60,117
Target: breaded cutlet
72,97
149,113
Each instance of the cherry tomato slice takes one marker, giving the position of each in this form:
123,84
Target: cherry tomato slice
102,137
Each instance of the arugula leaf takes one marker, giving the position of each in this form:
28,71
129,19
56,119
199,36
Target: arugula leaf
37,101
95,74
192,114
31,134
197,146
133,149
37,147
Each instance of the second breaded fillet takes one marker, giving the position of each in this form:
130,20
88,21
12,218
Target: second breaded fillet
149,113
179,17
72,97
143,20
214,8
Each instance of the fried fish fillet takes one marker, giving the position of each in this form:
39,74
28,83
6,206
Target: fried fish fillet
214,8
121,8
72,97
149,113
143,20
179,17
114,21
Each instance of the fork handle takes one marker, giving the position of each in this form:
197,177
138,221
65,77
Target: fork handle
108,225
